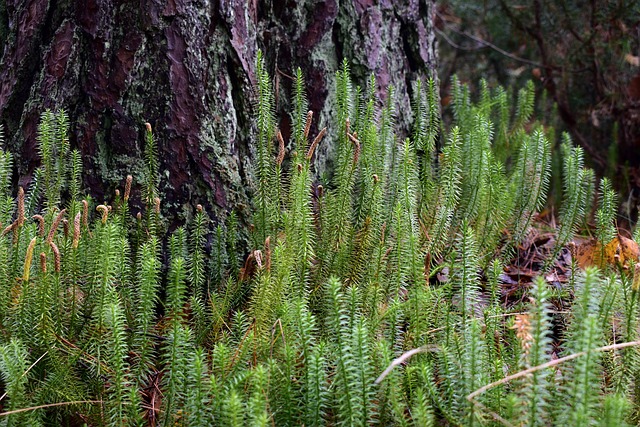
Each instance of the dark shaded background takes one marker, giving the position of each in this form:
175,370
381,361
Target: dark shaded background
584,57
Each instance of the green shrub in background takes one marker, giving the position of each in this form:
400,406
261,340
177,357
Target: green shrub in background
335,317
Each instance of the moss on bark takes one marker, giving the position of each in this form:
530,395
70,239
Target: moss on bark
187,67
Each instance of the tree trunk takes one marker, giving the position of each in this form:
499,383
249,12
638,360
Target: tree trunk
187,67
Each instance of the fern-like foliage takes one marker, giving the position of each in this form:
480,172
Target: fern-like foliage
408,262
197,404
266,201
585,334
378,294
529,182
299,216
152,167
448,194
14,369
475,165
606,213
575,194
465,272
353,369
535,339
196,261
146,297
118,410
53,147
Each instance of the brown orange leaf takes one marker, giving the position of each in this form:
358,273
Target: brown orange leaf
620,251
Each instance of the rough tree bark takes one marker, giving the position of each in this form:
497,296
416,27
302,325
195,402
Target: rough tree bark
187,67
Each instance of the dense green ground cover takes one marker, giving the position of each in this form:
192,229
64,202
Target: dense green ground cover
397,256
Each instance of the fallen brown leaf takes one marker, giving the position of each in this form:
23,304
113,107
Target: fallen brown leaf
620,251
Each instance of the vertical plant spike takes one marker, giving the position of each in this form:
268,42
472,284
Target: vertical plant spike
408,259
501,118
387,134
233,410
152,166
422,413
6,200
197,399
392,265
177,290
465,272
314,393
257,405
474,366
75,175
146,296
460,101
419,134
433,113
13,366
345,382
266,201
196,265
525,105
582,404
576,184
266,299
606,213
176,356
475,166
426,131
46,146
448,194
116,349
535,391
366,258
340,201
496,202
616,409
370,159
298,224
529,182
5,282
300,116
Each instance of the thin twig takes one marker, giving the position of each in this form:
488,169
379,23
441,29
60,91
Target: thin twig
455,45
493,414
50,405
400,360
549,365
26,372
489,44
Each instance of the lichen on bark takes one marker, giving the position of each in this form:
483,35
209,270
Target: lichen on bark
187,67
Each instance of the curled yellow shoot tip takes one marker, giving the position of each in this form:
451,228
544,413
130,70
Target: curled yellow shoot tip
105,212
635,287
76,230
28,259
